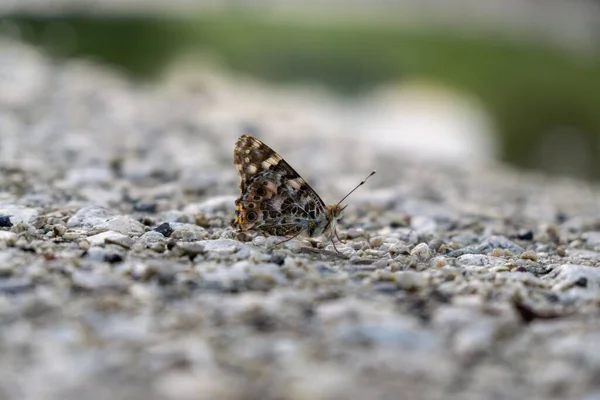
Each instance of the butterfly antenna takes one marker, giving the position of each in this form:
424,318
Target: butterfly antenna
356,187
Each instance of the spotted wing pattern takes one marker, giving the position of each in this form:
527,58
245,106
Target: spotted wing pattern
274,199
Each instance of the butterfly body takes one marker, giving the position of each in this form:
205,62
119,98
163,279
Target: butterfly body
275,199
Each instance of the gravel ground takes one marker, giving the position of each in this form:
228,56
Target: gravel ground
120,277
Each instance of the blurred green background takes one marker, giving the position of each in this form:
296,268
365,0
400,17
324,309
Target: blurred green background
539,94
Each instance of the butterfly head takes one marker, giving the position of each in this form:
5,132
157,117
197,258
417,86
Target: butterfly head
335,212
333,215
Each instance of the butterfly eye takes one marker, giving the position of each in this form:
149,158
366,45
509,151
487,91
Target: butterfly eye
251,216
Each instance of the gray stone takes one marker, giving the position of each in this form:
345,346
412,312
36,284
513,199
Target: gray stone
479,260
488,245
124,241
592,238
399,248
393,334
186,229
154,241
105,237
570,276
88,217
123,224
582,254
376,241
15,285
18,213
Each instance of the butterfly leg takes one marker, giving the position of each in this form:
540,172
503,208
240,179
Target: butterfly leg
338,238
335,248
288,239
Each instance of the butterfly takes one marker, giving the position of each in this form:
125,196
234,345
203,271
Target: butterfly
276,200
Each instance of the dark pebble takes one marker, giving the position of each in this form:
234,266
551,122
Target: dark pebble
277,259
397,224
165,229
525,235
113,258
582,282
439,296
147,221
166,277
5,221
145,207
551,297
263,323
561,217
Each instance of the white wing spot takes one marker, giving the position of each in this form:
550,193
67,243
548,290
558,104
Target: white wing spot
276,203
273,160
252,169
295,183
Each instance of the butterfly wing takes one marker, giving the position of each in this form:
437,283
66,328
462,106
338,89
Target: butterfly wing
274,198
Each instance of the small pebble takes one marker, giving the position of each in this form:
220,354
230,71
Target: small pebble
376,241
202,220
8,237
71,236
500,253
113,258
164,229
5,221
124,241
399,248
20,227
409,280
529,255
277,259
59,230
439,262
421,251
